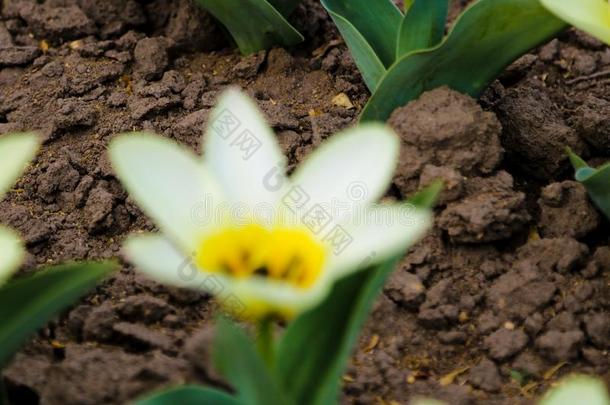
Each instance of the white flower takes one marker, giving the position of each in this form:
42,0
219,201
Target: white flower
16,151
286,262
592,16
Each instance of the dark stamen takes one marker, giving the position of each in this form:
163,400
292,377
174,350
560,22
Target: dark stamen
262,271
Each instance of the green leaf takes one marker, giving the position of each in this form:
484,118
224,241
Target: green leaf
370,29
369,64
254,24
236,358
315,348
427,197
596,181
28,303
285,7
423,26
577,389
378,21
577,161
486,38
189,395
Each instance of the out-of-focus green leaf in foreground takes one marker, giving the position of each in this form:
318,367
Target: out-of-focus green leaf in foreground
486,38
315,348
256,24
28,303
189,395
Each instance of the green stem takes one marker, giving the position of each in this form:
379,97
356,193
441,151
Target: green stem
264,340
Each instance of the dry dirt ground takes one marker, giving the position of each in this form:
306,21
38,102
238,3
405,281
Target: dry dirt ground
509,292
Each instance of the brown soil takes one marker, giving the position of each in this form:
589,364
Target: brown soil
509,292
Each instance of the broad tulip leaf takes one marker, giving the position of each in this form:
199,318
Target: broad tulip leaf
189,395
28,303
314,350
254,24
370,29
595,180
369,64
486,38
578,389
236,358
423,26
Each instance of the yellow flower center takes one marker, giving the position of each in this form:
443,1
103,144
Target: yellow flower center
286,254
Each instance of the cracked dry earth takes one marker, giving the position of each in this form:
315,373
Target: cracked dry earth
509,292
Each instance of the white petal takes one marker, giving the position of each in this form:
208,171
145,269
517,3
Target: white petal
155,256
11,253
257,297
242,152
16,151
376,234
169,183
352,169
577,389
592,16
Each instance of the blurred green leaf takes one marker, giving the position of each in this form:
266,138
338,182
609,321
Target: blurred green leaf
254,24
596,181
486,38
427,197
314,350
577,161
575,390
236,358
26,304
189,395
423,26
370,29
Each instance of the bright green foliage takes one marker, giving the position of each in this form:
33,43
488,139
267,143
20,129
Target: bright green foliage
595,180
488,36
256,24
27,303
